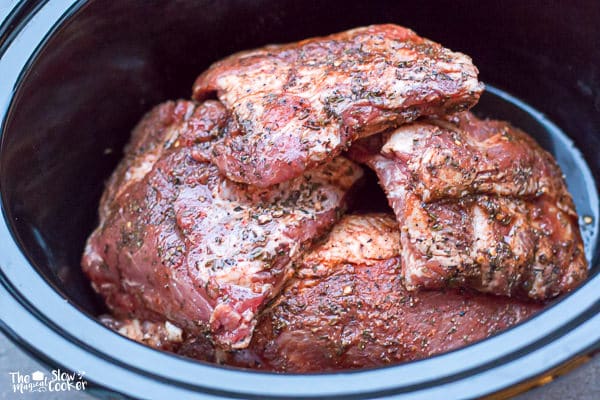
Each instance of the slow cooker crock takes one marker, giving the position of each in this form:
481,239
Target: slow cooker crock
75,76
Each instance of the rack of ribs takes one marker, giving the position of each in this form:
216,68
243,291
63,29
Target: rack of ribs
347,308
300,105
480,204
178,241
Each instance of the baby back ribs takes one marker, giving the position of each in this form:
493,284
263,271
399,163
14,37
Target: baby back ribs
299,105
179,242
480,204
347,308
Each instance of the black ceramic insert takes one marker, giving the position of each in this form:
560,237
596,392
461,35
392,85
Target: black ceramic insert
79,74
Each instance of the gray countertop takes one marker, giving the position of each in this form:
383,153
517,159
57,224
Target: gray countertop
582,383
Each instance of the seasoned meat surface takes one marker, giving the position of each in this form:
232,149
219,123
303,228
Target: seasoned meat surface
347,308
299,105
158,335
178,241
480,205
448,159
157,131
163,335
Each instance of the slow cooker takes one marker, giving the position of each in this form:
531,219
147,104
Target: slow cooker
75,76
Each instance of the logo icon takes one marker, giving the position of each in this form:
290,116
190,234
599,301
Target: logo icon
37,376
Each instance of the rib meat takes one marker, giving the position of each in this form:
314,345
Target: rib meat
347,308
178,241
299,105
158,335
173,122
480,204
